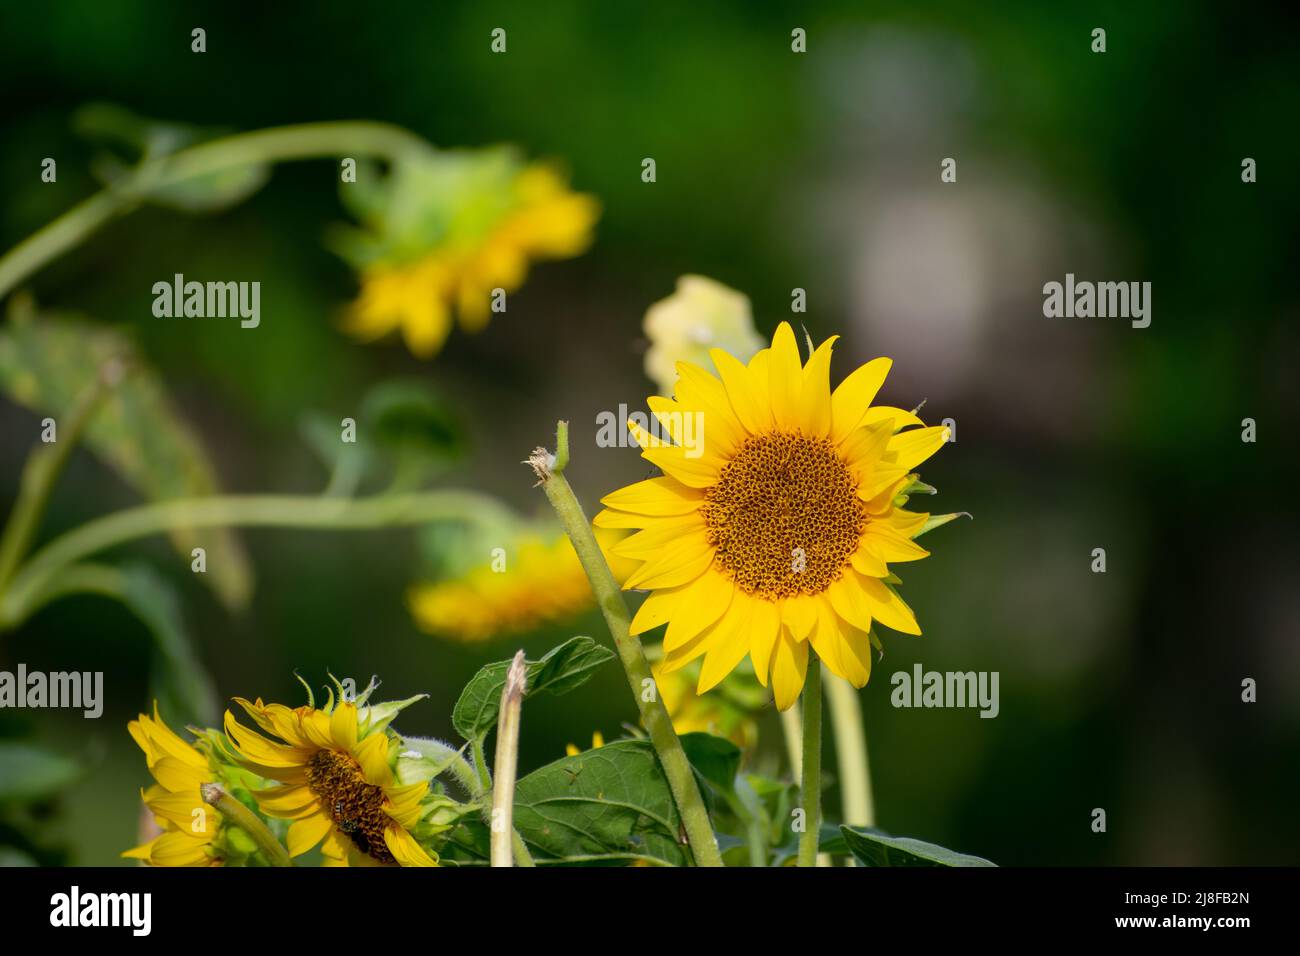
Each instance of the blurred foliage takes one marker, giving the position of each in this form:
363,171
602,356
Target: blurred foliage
1119,690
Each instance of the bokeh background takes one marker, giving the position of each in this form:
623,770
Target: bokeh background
775,170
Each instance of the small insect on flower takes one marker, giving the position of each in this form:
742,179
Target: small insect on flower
777,535
336,783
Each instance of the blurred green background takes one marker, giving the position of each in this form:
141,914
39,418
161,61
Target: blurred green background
775,171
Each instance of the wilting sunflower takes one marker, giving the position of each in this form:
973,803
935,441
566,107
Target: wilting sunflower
773,533
448,235
538,581
336,782
180,768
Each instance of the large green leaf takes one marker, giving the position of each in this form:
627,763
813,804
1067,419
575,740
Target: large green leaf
46,362
716,759
607,804
29,772
565,667
873,848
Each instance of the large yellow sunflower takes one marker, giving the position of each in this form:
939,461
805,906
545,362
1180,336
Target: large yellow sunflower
189,825
336,783
773,533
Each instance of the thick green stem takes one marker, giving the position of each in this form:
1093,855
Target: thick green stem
285,143
279,511
236,814
851,752
654,716
506,764
810,794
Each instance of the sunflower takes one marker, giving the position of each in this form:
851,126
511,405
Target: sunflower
699,315
180,768
774,533
486,243
336,782
542,582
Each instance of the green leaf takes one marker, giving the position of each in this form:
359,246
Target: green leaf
403,428
144,140
28,772
409,424
716,759
874,848
610,803
45,363
937,521
565,667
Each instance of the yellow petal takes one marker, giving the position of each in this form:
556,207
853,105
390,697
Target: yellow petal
800,614
306,833
703,601
343,725
727,642
656,609
658,535
679,564
372,754
785,378
659,497
868,562
897,417
288,803
742,392
889,545
697,389
887,607
908,449
405,850
854,395
815,397
849,599
789,668
675,462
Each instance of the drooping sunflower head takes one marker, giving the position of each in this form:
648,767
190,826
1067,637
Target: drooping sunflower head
536,581
336,780
442,232
189,826
780,507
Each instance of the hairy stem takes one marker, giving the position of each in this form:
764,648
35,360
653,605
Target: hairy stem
237,814
654,716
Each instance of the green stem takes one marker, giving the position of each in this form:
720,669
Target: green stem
285,143
654,716
810,795
851,752
237,814
280,511
42,470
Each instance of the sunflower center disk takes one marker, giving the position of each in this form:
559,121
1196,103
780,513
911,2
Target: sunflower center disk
784,516
355,806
